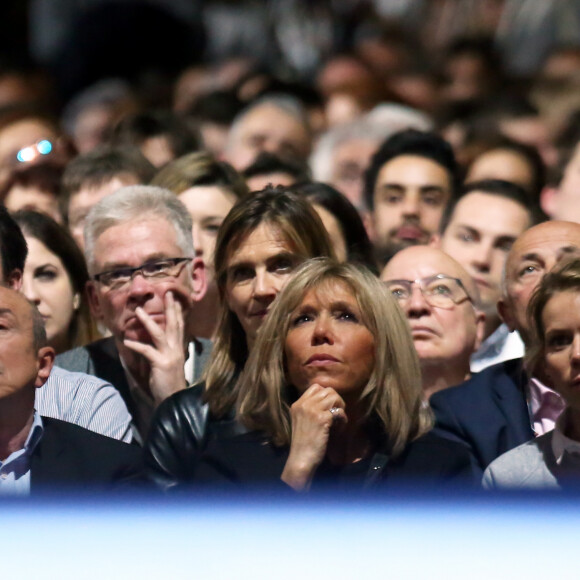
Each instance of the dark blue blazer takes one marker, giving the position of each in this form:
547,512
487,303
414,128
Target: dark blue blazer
71,458
488,413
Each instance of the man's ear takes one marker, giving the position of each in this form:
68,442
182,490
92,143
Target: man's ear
14,280
45,359
199,279
505,313
94,301
435,241
548,200
479,329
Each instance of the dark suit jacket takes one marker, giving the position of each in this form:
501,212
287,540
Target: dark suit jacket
69,456
488,413
249,461
101,359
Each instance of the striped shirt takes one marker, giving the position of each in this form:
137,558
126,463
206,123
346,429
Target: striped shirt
86,401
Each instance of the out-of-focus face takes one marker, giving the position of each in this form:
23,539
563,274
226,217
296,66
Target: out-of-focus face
30,198
130,245
257,270
46,283
442,335
83,200
208,205
561,320
479,236
533,254
349,162
157,150
22,134
266,128
532,131
410,195
466,78
502,164
567,200
334,232
328,343
21,366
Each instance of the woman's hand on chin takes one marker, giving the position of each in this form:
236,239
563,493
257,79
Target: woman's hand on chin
312,421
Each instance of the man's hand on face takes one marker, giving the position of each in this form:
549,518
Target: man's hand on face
165,356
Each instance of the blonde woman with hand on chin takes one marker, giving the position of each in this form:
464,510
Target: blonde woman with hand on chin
331,394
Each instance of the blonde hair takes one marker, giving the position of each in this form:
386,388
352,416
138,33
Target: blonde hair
564,278
302,229
200,169
393,397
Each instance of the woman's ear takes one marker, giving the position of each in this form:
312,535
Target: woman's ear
76,301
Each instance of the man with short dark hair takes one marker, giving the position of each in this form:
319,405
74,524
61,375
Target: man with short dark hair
38,452
478,230
409,182
91,176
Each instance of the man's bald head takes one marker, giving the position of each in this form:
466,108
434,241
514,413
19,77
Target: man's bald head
428,259
533,254
25,361
27,312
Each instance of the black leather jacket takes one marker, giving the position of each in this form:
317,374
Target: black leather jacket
179,433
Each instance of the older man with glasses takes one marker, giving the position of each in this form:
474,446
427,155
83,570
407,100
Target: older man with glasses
145,279
440,301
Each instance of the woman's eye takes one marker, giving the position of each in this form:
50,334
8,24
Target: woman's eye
301,319
558,341
284,265
211,229
466,237
45,274
347,315
242,274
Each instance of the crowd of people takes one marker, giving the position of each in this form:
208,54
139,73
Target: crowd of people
358,269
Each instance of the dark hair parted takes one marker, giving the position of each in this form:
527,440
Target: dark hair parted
100,166
411,142
358,245
267,163
498,188
295,219
13,249
181,134
57,240
563,278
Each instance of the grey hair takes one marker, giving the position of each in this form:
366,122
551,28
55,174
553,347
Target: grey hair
321,158
286,103
137,202
39,336
377,125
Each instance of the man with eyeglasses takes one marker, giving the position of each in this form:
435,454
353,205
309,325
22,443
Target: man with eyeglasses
145,279
440,301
